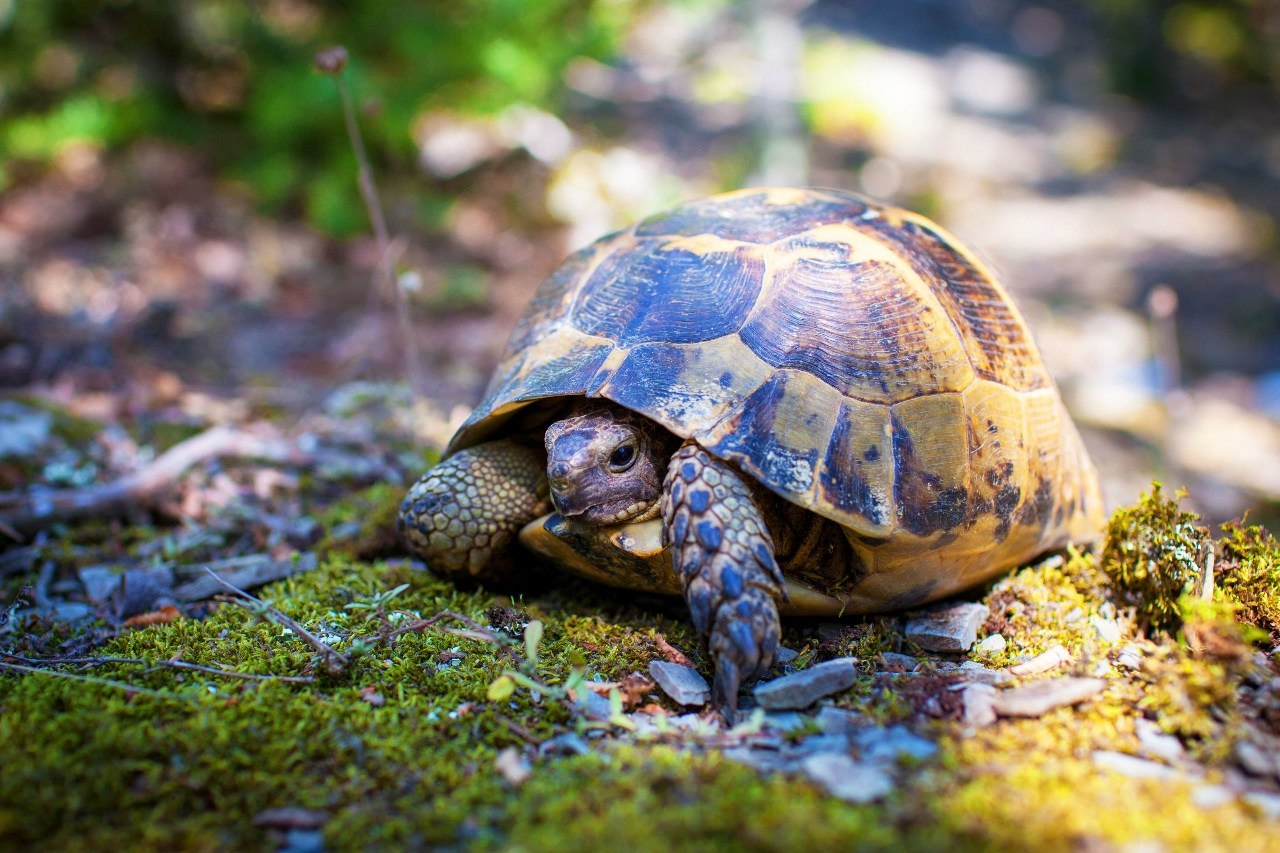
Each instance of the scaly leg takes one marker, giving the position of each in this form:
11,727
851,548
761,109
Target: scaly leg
464,513
723,554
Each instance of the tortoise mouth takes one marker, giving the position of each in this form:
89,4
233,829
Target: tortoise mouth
603,512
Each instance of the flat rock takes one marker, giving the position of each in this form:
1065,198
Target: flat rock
979,704
1051,658
894,660
803,688
838,721
786,721
1040,697
887,745
684,684
845,778
974,671
993,644
951,630
1133,766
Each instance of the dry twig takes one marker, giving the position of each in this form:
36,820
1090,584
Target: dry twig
331,660
26,514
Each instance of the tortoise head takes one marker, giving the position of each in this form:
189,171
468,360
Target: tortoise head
606,466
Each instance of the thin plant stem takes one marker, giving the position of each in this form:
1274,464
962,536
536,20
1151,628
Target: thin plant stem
369,192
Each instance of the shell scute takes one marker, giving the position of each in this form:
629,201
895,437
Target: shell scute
650,292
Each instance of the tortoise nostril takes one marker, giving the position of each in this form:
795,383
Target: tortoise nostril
559,472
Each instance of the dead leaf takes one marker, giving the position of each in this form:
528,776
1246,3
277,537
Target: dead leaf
164,616
670,652
371,695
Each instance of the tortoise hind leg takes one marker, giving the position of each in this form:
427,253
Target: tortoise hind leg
722,552
463,514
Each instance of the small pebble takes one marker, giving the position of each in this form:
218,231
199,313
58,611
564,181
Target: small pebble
954,629
1211,796
1130,657
803,688
1133,766
1268,804
974,671
894,660
838,721
992,645
1107,630
785,721
1050,658
1255,760
845,778
1040,697
979,704
512,766
785,656
684,684
887,745
1157,744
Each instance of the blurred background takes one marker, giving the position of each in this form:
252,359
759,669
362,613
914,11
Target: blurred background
181,229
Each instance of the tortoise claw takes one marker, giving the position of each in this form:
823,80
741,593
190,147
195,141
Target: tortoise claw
722,552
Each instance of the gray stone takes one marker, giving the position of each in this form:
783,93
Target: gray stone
23,430
684,684
1211,796
567,743
100,583
1268,804
1157,744
145,589
785,656
1130,657
974,671
786,721
1255,760
1040,697
887,745
1107,630
894,660
951,630
814,744
1051,658
991,645
595,706
845,778
838,721
1133,766
763,760
803,688
979,704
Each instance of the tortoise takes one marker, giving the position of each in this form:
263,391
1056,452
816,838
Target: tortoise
771,400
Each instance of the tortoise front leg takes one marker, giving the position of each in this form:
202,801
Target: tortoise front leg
723,554
463,514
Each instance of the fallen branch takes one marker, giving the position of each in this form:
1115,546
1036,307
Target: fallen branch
40,663
473,631
26,514
331,660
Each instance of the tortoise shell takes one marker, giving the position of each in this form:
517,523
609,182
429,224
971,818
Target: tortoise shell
853,358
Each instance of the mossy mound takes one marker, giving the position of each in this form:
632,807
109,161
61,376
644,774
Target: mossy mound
400,750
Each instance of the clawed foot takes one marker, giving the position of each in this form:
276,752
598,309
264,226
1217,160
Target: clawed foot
723,554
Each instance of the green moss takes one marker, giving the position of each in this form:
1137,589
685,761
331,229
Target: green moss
1248,574
1153,553
400,748
1056,603
363,526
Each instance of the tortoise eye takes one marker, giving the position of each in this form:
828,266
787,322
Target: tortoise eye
623,457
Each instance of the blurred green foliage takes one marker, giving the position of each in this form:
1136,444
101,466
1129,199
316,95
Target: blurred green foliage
236,79
1169,50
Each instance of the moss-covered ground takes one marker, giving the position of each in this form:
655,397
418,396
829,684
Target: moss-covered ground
400,750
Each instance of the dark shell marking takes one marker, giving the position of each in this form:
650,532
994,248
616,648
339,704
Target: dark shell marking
853,358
